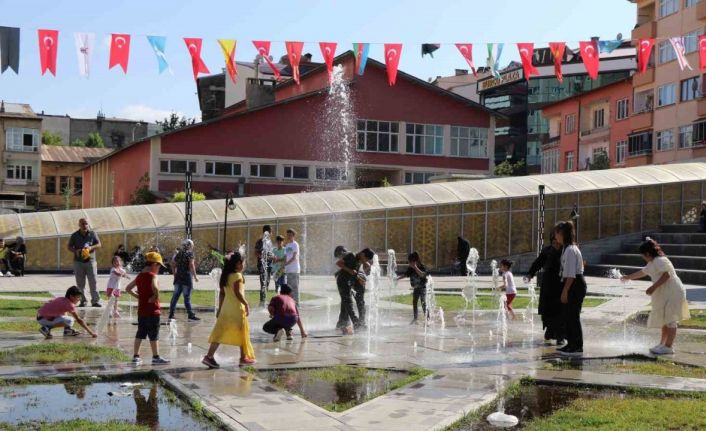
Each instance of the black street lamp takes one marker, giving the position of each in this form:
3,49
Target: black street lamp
229,205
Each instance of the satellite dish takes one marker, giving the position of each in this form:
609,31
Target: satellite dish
619,36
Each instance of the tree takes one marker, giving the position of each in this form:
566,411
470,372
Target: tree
78,143
49,138
600,161
174,122
181,196
94,140
142,194
66,194
507,169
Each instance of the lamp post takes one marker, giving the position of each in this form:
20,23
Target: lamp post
575,218
229,205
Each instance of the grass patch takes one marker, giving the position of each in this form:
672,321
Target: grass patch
52,353
24,325
74,425
28,294
456,302
697,321
19,308
633,365
207,297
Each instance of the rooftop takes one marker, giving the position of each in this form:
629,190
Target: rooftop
18,110
67,154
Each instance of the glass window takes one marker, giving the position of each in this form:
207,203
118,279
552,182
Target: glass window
640,143
63,183
331,174
698,134
666,95
570,161
22,139
418,177
19,172
665,140
50,185
691,41
620,149
425,139
296,172
263,171
570,123
686,136
690,89
469,141
78,186
667,7
176,166
380,136
227,169
550,161
665,52
643,101
621,111
690,3
598,118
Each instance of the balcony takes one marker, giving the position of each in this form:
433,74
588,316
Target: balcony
553,140
641,120
638,160
13,204
19,182
701,11
645,31
640,79
22,148
595,132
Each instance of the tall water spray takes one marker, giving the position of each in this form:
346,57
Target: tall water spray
339,129
265,257
501,318
615,274
215,275
373,290
470,290
392,276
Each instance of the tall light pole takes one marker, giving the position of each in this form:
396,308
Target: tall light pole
575,218
229,205
188,209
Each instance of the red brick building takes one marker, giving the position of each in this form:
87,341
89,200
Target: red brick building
585,125
400,134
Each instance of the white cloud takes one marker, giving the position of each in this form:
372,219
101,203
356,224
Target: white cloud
145,113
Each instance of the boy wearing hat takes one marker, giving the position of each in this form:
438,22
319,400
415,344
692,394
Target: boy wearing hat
148,308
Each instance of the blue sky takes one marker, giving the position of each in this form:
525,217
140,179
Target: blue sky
144,94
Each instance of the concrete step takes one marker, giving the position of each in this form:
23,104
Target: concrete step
679,262
672,249
680,238
679,228
688,276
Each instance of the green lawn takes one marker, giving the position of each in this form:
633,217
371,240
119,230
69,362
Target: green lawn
206,297
74,425
24,325
658,367
28,294
49,353
698,320
456,302
19,307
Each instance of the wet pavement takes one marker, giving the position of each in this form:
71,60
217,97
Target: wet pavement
467,358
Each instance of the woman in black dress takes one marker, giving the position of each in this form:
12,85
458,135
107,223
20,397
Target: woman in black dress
549,282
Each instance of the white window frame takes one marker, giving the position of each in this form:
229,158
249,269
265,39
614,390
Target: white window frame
690,3
622,109
413,177
320,174
367,131
169,171
689,90
599,118
666,95
258,167
19,171
570,124
621,150
419,140
668,7
570,160
686,139
665,52
691,41
14,139
473,139
664,140
212,165
291,172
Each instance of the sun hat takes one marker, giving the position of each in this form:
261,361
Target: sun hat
154,257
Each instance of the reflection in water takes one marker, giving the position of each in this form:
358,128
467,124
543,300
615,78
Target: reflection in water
78,389
146,410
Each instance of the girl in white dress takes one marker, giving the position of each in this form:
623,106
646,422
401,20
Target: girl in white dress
669,305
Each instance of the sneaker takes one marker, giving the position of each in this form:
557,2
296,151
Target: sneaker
278,335
656,348
572,352
96,305
171,317
210,362
9,274
348,330
247,361
82,304
158,360
46,331
562,349
663,350
561,342
136,360
193,318
414,322
69,332
289,336
116,314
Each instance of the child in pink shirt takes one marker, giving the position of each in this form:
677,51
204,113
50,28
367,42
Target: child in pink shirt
53,314
116,273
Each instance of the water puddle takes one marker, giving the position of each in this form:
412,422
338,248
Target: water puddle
143,403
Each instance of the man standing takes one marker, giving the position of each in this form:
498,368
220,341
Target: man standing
292,270
184,270
83,244
263,252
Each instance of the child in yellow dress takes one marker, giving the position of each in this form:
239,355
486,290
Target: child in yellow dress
232,325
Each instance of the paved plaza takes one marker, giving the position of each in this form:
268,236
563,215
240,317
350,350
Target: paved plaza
466,355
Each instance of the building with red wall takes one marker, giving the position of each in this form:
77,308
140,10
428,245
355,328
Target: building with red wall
398,134
584,125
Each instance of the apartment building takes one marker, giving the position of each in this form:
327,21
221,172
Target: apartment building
20,156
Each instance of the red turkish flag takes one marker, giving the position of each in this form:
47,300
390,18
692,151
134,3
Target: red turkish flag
193,44
466,50
644,52
119,50
702,52
526,54
393,51
589,55
48,43
294,52
263,48
557,49
328,49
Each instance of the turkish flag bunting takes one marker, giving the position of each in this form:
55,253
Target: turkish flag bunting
193,44
557,49
48,43
644,53
466,50
263,48
328,49
393,51
702,52
119,50
526,54
589,55
294,52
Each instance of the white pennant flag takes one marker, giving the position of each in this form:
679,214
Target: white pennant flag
495,50
678,45
84,50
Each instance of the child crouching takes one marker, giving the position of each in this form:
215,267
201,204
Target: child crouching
53,314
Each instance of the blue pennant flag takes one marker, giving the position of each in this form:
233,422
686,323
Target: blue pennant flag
159,44
608,46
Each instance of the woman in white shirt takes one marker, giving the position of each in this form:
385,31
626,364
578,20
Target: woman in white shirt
574,288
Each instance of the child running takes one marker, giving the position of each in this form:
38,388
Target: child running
53,314
417,274
148,308
508,286
669,305
116,274
232,325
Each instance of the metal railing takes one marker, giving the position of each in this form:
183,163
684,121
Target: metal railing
22,148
